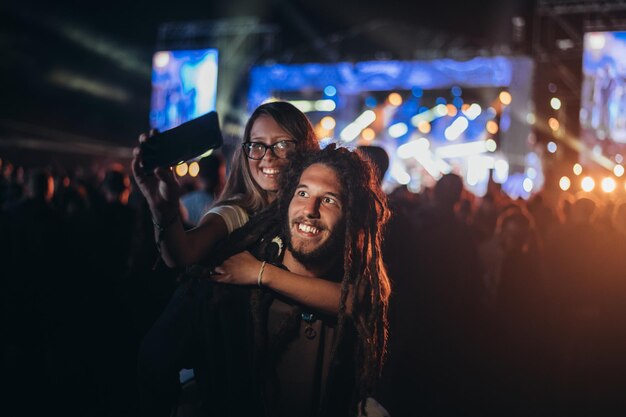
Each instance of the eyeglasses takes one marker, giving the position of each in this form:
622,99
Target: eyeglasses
257,150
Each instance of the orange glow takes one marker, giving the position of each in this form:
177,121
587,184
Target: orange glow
328,123
492,127
424,126
194,169
368,134
451,110
395,99
553,123
320,132
505,98
182,169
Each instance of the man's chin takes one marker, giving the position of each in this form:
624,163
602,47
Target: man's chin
320,255
301,252
305,257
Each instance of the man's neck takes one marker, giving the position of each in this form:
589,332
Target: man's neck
299,268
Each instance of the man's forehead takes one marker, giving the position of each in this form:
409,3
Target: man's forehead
323,177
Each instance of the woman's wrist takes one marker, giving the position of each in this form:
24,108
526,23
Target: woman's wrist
163,225
164,214
259,280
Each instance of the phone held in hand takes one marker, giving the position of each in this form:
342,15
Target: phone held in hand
182,143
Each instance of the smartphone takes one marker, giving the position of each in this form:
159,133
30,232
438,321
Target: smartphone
182,143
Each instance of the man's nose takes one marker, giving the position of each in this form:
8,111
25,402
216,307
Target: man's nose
312,208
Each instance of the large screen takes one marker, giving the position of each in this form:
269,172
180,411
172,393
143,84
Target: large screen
432,117
603,98
184,86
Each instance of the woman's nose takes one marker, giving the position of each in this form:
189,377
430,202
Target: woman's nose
269,154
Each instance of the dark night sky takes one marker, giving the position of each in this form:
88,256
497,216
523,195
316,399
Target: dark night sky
83,68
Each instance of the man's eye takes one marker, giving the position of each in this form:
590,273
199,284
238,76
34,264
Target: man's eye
301,194
329,200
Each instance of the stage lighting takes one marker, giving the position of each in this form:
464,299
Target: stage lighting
505,98
578,169
194,169
554,124
492,127
182,169
587,184
328,123
608,185
551,147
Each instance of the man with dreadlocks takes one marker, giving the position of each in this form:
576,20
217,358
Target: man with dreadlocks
322,355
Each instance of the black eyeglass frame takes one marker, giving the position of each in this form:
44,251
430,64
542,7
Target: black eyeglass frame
245,147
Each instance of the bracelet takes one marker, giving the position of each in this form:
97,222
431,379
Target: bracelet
163,227
259,279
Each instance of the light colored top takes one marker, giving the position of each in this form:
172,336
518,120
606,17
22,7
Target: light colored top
234,216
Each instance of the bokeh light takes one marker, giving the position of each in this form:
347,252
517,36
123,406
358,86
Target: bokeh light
182,169
608,185
194,169
587,184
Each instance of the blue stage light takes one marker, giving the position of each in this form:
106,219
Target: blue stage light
330,91
456,91
371,102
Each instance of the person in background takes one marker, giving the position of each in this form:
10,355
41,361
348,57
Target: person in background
34,242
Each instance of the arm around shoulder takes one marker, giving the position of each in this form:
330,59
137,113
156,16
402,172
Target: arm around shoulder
317,293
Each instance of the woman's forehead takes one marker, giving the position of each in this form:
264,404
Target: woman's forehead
267,126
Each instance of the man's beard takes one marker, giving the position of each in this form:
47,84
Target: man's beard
326,253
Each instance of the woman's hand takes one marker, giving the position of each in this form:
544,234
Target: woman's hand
159,187
239,269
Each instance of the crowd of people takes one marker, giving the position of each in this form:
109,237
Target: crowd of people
281,286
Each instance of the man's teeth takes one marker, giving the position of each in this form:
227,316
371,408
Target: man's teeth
308,229
270,171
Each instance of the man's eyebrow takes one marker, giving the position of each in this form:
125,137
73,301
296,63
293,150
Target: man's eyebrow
338,196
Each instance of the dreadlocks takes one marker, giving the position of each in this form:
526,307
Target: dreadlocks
365,286
361,330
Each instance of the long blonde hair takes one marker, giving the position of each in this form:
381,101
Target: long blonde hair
241,189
